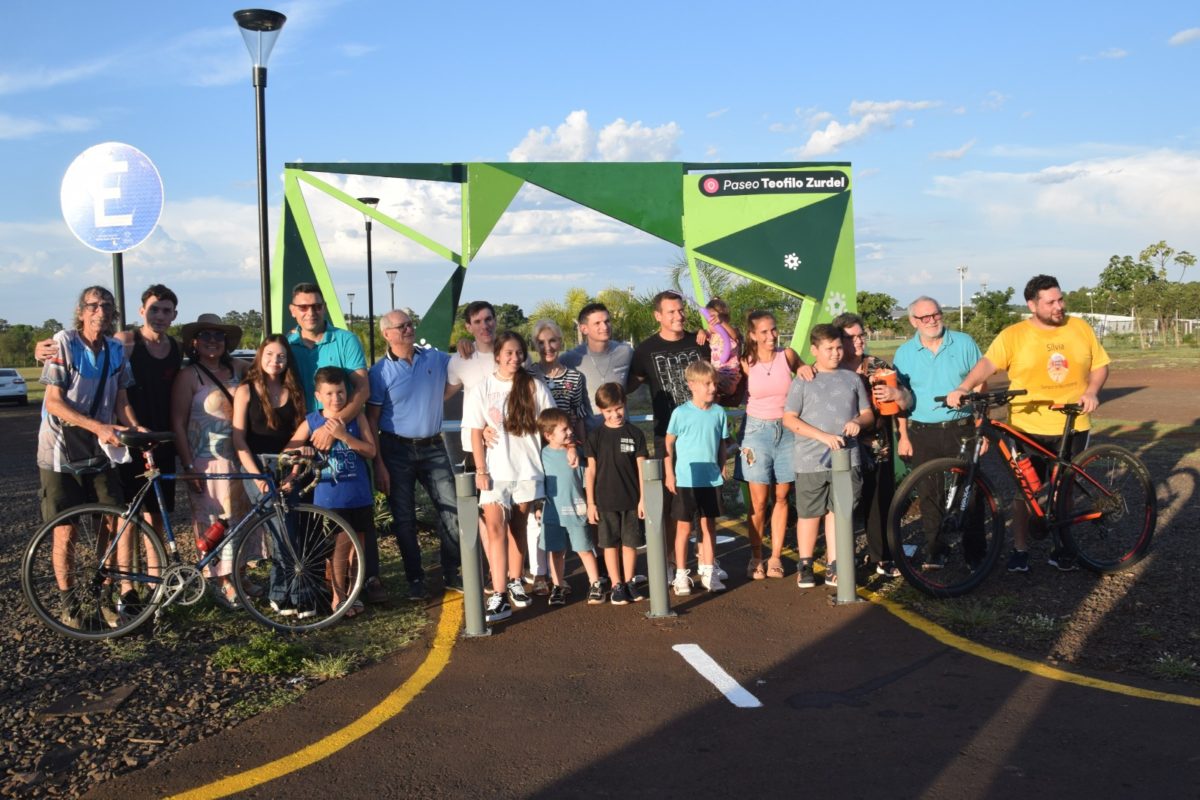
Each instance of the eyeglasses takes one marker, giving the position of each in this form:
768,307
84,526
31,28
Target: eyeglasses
928,318
403,326
304,308
857,337
210,336
94,307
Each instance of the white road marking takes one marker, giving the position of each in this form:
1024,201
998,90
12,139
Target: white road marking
703,663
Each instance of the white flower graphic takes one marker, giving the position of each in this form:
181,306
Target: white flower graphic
835,304
791,261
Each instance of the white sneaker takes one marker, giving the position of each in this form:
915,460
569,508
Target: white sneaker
681,583
722,574
711,579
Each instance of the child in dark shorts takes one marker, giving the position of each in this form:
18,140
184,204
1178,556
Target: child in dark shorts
616,454
564,515
697,442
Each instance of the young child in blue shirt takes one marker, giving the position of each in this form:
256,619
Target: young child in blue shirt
346,489
564,514
697,442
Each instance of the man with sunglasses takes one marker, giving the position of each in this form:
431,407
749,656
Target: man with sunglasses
316,343
408,388
931,364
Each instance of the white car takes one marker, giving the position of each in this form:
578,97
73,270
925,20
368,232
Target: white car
12,386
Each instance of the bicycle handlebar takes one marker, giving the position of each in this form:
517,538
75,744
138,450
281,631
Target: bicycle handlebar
995,398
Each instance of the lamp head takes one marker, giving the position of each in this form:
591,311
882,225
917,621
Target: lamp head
260,28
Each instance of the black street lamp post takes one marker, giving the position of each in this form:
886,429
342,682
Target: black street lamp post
391,273
350,319
260,28
372,202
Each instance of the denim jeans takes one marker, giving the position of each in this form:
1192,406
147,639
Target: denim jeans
281,563
428,463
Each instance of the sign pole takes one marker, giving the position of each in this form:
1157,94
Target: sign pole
119,287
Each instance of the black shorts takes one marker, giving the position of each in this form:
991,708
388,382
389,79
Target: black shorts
132,480
62,490
620,529
1079,443
696,501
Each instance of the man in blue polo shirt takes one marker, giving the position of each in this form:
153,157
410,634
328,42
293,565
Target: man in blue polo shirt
316,343
933,364
408,388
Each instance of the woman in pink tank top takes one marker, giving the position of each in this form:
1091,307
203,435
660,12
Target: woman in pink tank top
765,446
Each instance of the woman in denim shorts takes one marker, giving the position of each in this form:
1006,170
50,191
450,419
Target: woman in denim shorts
765,446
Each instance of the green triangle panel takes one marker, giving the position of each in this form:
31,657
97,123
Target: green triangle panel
794,250
489,191
438,321
646,196
297,268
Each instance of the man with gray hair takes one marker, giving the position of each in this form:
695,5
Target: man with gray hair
932,364
85,380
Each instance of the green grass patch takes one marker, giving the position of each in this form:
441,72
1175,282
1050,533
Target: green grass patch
264,654
1175,667
967,614
265,701
329,666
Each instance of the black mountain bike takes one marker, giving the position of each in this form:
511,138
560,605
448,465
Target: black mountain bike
946,524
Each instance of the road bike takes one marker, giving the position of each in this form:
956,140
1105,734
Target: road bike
100,571
946,525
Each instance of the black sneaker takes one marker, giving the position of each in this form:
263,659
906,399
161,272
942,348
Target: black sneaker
805,577
1018,561
517,595
887,569
595,594
635,592
1063,559
417,590
558,596
831,576
454,583
374,592
306,611
605,583
497,608
284,608
131,605
619,596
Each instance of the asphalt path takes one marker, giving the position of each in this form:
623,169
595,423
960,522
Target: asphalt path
589,701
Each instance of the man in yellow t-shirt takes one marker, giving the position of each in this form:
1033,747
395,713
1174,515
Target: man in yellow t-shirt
1056,359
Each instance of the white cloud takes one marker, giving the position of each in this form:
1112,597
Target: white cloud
872,251
871,114
953,155
994,101
717,113
1111,54
44,77
866,173
780,127
25,127
576,140
712,153
538,277
1151,191
355,50
1184,37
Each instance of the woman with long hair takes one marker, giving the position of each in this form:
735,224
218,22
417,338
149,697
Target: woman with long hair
764,445
202,419
508,473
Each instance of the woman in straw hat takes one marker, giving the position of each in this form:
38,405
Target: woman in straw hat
202,418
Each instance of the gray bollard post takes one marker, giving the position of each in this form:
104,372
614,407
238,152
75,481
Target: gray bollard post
472,556
656,540
842,490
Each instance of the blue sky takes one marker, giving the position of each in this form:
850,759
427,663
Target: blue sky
1015,140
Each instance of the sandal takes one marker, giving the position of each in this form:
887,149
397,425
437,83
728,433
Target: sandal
226,596
774,568
756,570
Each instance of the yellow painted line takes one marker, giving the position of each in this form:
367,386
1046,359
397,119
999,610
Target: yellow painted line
389,707
949,639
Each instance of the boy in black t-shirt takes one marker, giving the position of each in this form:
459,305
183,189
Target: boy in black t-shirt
613,482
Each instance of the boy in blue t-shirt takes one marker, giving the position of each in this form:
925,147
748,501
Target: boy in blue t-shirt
825,414
345,485
697,438
564,514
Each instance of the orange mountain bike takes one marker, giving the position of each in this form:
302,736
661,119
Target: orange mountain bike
946,524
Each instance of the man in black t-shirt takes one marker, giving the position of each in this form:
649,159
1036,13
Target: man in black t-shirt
660,361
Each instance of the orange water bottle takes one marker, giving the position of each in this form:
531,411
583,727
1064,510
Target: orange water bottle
1025,464
212,536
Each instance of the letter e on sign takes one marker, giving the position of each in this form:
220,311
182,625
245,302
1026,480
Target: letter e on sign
112,197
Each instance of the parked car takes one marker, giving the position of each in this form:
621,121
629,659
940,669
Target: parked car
12,386
244,354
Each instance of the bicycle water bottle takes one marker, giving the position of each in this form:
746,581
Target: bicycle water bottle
1029,472
212,536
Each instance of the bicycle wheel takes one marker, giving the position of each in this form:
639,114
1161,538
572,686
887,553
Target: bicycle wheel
941,548
292,572
73,592
1107,509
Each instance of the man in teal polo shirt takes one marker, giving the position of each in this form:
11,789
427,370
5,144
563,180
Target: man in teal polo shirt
933,364
316,343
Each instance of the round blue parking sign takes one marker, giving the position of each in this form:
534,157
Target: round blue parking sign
112,197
